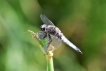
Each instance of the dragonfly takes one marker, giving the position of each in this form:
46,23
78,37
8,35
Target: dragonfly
54,35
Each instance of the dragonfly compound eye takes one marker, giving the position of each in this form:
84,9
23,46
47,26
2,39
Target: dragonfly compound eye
43,27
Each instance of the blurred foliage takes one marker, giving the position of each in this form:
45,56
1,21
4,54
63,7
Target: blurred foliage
82,21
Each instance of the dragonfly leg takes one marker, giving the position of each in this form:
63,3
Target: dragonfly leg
44,36
50,39
47,45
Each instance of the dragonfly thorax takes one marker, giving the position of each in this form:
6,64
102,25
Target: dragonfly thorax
53,30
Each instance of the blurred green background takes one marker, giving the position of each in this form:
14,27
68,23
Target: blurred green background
83,22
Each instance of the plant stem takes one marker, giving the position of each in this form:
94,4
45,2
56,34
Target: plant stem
50,66
49,54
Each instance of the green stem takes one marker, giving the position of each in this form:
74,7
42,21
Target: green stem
49,54
50,66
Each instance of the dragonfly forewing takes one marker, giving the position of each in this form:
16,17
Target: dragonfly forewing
45,20
41,35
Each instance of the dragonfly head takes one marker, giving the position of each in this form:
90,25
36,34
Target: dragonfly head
43,27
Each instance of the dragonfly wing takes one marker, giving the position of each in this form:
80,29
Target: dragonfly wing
70,44
45,20
41,35
56,42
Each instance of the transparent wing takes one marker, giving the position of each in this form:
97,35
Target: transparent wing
70,44
45,20
56,42
41,35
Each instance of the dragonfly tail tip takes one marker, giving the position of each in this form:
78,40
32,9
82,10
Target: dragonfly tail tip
79,51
